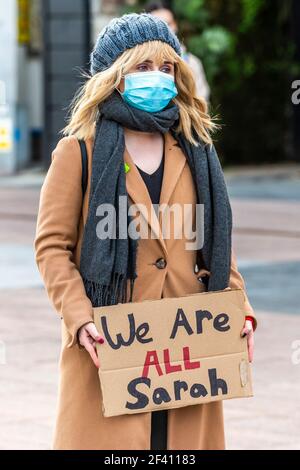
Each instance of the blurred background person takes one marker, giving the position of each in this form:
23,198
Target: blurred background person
165,12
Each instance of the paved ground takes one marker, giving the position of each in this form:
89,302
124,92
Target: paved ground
266,206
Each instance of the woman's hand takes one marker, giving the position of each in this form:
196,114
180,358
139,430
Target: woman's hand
88,336
248,331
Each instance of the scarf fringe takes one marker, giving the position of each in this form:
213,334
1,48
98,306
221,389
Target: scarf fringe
108,294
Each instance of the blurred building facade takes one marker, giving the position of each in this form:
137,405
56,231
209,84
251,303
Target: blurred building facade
44,46
67,40
21,101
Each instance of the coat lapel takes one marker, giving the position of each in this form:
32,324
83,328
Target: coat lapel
174,164
137,190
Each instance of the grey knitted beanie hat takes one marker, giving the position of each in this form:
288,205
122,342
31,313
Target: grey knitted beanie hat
126,32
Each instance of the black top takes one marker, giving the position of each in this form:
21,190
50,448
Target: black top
154,181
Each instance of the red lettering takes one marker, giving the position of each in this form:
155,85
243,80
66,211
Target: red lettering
151,360
168,366
187,363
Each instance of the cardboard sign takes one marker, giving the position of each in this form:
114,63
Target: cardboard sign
173,352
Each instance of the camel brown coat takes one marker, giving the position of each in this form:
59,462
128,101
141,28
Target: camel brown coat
80,423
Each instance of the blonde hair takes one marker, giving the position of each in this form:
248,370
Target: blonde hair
193,110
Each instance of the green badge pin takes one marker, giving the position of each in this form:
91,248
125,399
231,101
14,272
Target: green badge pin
127,167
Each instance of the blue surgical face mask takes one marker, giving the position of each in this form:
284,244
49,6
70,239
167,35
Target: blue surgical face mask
149,91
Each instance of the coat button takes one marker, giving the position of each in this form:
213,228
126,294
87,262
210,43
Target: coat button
161,263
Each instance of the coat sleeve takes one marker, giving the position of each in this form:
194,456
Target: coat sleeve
236,281
57,234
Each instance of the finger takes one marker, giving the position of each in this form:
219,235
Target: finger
83,333
84,340
90,346
250,340
245,332
247,328
92,330
92,352
83,337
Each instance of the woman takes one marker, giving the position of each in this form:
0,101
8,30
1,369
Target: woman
139,115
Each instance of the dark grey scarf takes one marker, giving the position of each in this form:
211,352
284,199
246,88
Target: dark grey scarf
107,264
